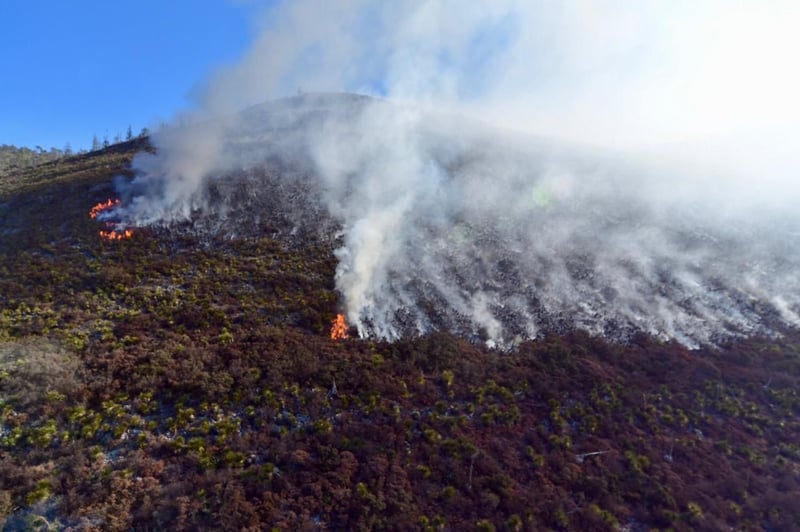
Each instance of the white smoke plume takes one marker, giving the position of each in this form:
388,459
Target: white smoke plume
641,173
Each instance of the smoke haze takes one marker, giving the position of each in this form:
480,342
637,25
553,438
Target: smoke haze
640,172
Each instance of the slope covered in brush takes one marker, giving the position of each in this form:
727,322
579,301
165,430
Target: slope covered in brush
442,223
184,379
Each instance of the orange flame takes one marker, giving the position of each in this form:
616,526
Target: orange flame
339,328
100,207
116,235
111,234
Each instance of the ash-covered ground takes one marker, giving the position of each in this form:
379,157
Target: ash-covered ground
440,222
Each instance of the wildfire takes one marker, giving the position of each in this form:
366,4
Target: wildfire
339,328
116,235
111,234
100,207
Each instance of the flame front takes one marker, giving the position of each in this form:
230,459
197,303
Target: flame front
111,234
116,235
100,207
339,328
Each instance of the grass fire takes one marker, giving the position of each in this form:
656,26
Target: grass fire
339,328
111,234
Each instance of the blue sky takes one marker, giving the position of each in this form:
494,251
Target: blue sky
697,80
72,69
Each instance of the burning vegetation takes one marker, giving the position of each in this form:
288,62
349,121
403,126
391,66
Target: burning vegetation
116,235
339,328
110,234
102,206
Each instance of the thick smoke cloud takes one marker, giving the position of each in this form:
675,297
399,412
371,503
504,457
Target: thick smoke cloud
665,205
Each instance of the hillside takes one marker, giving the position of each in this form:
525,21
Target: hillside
184,379
443,223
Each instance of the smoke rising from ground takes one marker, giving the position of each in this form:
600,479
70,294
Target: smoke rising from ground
677,221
